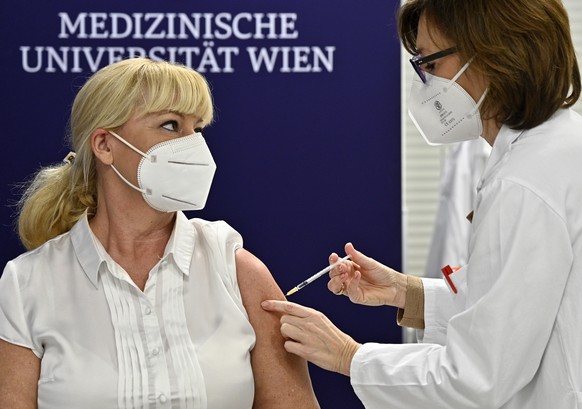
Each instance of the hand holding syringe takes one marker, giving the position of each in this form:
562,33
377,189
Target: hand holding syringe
317,275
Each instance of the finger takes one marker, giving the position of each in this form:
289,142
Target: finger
333,257
290,331
344,267
336,283
297,322
353,285
334,272
286,307
295,348
357,257
351,250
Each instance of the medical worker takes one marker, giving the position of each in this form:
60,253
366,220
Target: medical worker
504,331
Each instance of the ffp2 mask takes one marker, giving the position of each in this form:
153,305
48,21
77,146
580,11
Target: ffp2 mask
443,111
175,174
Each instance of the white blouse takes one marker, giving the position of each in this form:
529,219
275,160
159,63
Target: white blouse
184,342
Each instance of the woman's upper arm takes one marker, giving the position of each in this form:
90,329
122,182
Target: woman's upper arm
281,379
18,377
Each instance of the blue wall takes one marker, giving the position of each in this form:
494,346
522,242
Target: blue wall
306,160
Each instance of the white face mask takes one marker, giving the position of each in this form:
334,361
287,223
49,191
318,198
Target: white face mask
443,111
175,174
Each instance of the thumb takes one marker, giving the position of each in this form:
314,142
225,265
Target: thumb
357,257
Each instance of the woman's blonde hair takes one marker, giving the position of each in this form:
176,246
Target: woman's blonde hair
58,196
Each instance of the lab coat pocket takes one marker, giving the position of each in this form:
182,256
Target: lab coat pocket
456,280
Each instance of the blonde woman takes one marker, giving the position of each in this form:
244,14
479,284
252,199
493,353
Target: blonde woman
122,302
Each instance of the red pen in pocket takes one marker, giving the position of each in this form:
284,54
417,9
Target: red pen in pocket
447,271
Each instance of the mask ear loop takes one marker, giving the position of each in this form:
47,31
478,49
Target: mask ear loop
130,146
476,109
457,75
143,191
127,181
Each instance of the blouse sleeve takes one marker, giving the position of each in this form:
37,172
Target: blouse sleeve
14,327
224,242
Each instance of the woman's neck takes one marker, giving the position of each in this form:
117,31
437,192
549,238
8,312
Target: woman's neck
490,130
134,236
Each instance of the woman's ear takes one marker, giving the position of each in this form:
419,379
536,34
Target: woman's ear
101,146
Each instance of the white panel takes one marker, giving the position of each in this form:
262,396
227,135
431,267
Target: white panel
420,183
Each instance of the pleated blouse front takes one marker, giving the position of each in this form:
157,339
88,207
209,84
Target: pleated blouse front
184,342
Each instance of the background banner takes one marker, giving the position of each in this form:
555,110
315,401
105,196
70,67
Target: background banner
306,136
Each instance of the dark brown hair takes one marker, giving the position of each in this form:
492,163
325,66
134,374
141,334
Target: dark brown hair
523,48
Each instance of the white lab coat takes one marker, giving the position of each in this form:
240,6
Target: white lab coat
463,166
512,336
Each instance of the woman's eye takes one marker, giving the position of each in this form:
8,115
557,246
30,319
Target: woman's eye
429,66
170,126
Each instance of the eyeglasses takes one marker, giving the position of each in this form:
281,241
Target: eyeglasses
418,60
